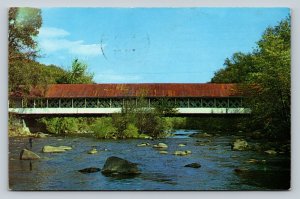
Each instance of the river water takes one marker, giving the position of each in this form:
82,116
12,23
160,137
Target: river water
59,171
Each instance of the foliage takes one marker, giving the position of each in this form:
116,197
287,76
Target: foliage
29,74
103,128
131,131
60,125
77,74
24,25
266,75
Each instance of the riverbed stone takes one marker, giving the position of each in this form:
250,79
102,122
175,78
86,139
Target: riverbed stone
160,145
182,153
28,155
54,149
119,166
163,152
240,145
271,152
41,135
252,161
90,170
92,151
201,135
181,145
143,144
193,165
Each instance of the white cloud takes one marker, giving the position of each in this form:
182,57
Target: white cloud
51,32
53,39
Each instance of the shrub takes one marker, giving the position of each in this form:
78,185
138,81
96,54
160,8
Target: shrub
103,128
131,131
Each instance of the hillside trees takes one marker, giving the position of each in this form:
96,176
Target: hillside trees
266,75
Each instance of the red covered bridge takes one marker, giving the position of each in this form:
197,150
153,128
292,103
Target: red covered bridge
101,99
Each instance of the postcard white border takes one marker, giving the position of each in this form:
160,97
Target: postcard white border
293,4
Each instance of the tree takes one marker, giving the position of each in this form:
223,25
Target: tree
24,25
272,103
265,78
77,74
236,69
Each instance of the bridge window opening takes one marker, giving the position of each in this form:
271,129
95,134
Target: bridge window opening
222,103
53,103
104,103
182,103
195,103
208,103
91,103
235,103
66,103
79,103
29,103
40,103
116,103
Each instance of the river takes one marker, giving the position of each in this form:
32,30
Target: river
59,171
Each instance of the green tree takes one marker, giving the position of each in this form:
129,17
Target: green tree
24,25
265,79
270,100
77,74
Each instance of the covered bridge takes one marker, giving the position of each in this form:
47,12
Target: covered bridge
102,99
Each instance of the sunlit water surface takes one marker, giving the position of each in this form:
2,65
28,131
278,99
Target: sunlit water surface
59,171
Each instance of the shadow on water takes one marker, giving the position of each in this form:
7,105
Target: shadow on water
266,179
157,177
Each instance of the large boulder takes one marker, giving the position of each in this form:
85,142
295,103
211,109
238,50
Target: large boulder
240,145
118,166
56,149
28,155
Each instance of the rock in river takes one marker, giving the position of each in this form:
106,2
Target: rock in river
181,145
118,166
143,144
28,155
93,151
41,135
200,135
90,170
182,153
271,152
193,165
163,152
240,145
54,149
160,145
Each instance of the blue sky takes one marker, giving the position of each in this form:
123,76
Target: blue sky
163,45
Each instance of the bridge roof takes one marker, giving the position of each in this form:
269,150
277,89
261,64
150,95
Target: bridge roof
137,90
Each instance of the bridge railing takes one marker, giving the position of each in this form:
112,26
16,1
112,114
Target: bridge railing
232,102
